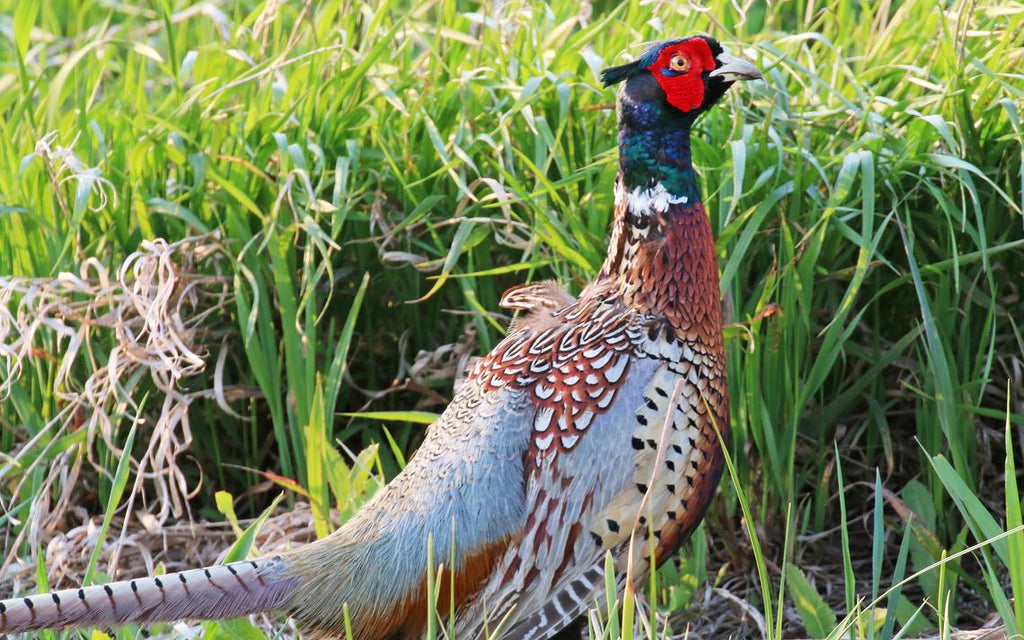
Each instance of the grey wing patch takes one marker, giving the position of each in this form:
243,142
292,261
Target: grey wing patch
463,488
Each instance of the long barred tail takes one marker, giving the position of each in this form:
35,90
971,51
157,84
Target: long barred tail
222,591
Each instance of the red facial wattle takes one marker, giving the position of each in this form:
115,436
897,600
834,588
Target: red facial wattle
684,90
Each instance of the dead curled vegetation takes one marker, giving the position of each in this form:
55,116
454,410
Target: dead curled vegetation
148,319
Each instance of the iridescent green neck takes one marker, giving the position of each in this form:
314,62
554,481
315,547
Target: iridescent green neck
654,148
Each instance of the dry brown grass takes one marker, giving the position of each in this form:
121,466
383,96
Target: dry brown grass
148,320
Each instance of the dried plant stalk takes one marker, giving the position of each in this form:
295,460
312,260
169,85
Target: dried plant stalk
154,311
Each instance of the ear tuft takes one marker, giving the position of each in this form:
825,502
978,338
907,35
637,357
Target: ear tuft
615,75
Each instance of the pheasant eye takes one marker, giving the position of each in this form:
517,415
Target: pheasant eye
679,63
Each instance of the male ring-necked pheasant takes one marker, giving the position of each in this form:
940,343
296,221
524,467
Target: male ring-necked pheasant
593,419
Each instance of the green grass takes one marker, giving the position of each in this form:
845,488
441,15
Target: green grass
377,174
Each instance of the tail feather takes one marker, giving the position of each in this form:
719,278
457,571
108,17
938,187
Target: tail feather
222,591
562,608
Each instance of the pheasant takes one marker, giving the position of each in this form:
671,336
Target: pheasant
595,420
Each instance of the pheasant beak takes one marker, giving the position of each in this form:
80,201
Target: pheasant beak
731,69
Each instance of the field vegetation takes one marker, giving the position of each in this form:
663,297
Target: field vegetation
246,248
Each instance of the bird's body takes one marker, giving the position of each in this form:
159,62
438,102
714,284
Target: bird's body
596,417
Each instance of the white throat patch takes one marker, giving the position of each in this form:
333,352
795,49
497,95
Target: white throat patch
644,200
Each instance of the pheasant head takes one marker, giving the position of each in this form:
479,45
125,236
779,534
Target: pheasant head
683,77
